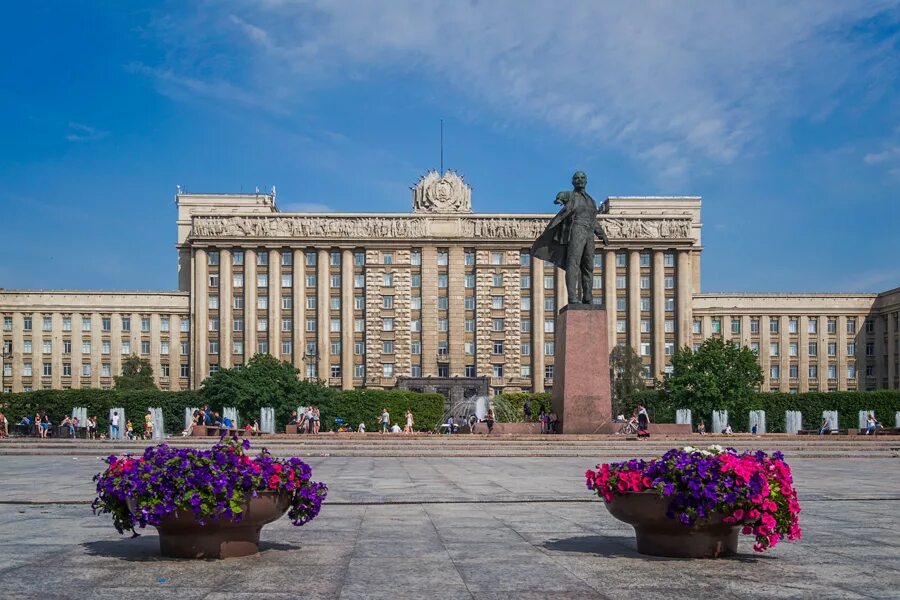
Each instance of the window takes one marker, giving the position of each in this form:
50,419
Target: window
773,325
716,326
335,371
48,369
262,257
548,372
185,325
126,347
387,280
525,303
334,303
549,348
311,281
525,258
287,280
813,326
415,370
469,303
359,259
774,372
415,258
67,346
415,325
214,280
832,349
470,281
498,280
754,325
470,370
336,281
85,347
48,346
443,281
67,370
163,347
387,369
792,349
164,324
645,325
851,371
238,325
311,349
497,324
238,280
831,325
262,302
443,348
442,324
525,349
793,371
185,348
469,325
621,259
85,323
287,324
335,325
387,258
773,349
549,325
262,346
645,349
262,325
185,371
237,257
669,348
620,282
443,258
496,258
670,304
832,371
7,323
851,325
792,325
870,349
669,259
645,282
387,324
525,371
212,258
359,302
335,258
287,258
85,369
287,302
735,325
311,258
415,347
359,371
469,257
813,371
497,347
851,348
621,326
212,303
214,346
525,282
598,260
697,326
311,325
645,259
26,346
550,304
496,301
549,282
498,370
813,349
469,348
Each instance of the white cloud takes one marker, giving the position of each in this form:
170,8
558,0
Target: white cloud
78,132
672,84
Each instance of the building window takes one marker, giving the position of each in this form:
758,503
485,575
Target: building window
621,259
334,303
813,349
415,258
498,370
496,301
645,349
237,280
832,325
214,280
443,258
621,326
415,347
716,326
262,325
697,326
549,348
145,347
645,259
620,282
387,324
549,325
645,325
415,370
185,348
469,257
213,303
832,371
497,347
262,302
669,259
735,325
359,281
262,258
548,372
851,371
442,324
851,325
813,371
85,369
792,349
497,324
335,325
415,325
793,371
287,280
387,280
669,348
525,371
832,349
359,258
359,371
470,281
498,280
335,281
185,325
387,258
443,281
496,258
525,303
525,349
774,372
792,325
185,371
754,325
262,347
773,325
335,371
387,369
773,349
163,347
524,258
470,371
470,325
443,348
851,348
335,257
287,258
670,304
214,346
85,323
525,282
645,282
813,326
237,257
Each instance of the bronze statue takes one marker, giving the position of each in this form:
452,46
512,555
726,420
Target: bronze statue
568,240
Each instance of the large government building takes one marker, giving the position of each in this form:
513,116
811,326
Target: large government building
437,298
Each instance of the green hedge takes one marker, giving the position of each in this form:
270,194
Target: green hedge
884,403
510,407
59,403
351,405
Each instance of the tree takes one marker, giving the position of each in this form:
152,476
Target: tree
137,374
717,376
625,376
263,381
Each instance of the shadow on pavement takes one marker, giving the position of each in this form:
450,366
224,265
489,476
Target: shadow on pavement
618,546
145,548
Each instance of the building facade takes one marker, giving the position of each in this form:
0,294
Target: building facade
443,293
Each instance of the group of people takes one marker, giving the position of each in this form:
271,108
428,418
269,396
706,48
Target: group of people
549,420
211,418
385,421
308,422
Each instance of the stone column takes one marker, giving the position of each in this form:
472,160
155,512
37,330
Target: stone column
456,292
429,311
249,304
803,351
55,355
889,367
785,352
347,320
323,317
155,339
200,362
659,315
562,290
299,308
634,300
609,296
275,303
537,323
823,353
765,358
226,304
683,298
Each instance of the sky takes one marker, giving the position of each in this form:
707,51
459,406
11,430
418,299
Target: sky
784,117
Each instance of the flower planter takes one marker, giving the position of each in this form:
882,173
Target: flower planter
181,536
658,535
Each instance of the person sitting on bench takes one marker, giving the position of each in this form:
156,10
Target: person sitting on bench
825,428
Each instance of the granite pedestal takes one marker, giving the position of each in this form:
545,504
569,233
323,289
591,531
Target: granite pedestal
581,391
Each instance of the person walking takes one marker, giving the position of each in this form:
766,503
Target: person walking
114,425
408,428
643,422
527,409
385,420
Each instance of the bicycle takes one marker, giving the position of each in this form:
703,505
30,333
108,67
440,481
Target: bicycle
629,428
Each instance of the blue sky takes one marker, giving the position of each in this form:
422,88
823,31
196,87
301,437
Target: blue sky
786,119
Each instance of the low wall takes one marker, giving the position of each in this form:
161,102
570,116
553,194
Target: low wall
669,428
510,428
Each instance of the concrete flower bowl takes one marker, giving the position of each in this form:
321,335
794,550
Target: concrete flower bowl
181,536
658,535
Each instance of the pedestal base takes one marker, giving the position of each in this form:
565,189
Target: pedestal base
581,391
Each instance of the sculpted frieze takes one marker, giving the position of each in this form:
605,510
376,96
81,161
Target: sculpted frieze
413,227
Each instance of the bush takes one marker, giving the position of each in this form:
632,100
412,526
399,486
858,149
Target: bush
884,403
59,403
515,401
364,406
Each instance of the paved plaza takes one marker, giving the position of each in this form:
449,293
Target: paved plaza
448,527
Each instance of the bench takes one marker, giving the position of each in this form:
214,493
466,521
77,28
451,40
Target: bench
215,431
816,432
